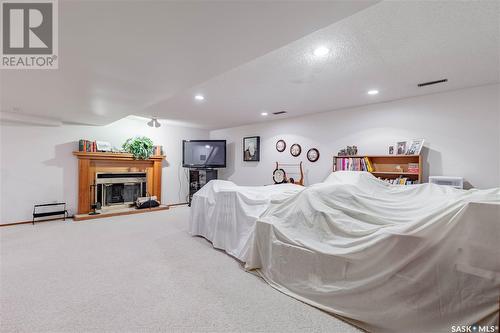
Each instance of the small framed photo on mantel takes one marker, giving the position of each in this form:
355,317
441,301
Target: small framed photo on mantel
251,149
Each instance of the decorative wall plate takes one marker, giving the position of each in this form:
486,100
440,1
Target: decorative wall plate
281,146
313,155
295,149
279,176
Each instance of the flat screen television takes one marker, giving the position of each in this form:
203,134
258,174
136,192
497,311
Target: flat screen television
204,153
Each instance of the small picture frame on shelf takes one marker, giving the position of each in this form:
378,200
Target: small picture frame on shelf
251,149
391,150
415,147
401,148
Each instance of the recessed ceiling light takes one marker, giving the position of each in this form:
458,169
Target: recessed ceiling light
372,92
199,97
321,51
264,114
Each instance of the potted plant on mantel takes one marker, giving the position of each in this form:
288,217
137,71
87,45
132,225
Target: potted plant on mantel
140,147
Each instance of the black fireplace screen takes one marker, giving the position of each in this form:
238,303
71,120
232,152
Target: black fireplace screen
119,188
121,193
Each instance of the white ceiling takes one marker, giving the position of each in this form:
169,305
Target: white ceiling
118,57
250,57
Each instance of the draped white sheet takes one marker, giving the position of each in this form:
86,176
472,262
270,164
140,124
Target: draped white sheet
225,213
391,258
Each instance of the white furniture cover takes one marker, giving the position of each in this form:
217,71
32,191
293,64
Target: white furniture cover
225,213
420,258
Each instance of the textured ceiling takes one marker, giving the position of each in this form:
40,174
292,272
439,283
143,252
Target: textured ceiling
118,57
251,57
391,47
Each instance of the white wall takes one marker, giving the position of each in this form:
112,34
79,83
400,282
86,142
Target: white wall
37,165
461,129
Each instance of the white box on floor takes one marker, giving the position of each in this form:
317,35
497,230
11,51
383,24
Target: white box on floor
456,182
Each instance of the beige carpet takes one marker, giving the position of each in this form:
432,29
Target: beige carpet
137,273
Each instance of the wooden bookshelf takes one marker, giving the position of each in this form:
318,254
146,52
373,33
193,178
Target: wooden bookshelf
390,166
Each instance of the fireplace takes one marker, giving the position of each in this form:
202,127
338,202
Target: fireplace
119,189
115,179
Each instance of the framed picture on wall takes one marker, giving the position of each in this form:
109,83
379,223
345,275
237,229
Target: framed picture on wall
251,149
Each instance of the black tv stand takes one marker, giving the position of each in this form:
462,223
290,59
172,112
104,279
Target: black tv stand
198,178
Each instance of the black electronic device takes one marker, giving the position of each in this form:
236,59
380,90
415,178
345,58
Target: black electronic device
204,154
199,178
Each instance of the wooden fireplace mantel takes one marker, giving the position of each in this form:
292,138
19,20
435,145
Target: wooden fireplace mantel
91,163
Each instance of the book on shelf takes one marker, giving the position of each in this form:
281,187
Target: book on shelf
87,146
413,168
91,147
346,163
369,165
399,181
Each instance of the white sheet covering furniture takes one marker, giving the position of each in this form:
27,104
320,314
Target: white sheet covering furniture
390,258
225,213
